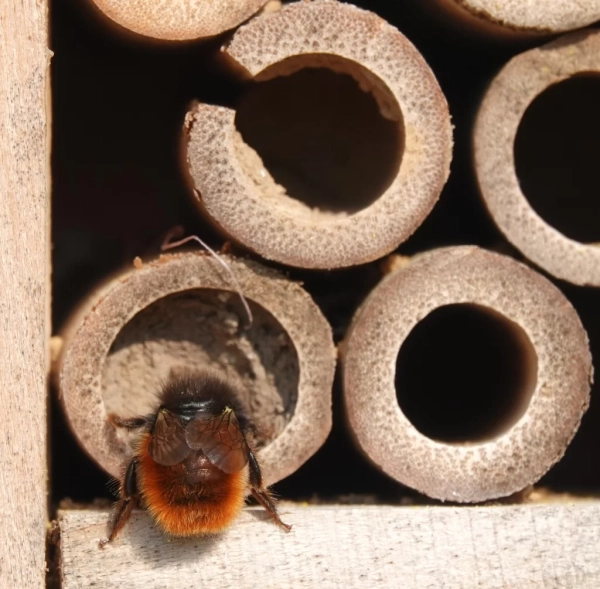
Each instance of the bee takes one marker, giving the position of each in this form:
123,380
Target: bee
193,464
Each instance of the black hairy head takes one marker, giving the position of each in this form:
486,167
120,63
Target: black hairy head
186,394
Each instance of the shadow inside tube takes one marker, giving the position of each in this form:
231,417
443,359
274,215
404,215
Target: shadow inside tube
557,156
320,135
465,374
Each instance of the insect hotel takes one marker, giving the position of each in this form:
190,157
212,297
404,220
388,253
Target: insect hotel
300,294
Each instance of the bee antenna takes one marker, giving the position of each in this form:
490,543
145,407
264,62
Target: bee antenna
167,245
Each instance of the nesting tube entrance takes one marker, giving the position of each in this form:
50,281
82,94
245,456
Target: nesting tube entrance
321,137
335,153
557,156
529,128
466,375
180,314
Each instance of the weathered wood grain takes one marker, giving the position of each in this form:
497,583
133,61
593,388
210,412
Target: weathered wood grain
24,324
500,547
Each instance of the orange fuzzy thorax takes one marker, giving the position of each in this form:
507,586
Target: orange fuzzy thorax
181,509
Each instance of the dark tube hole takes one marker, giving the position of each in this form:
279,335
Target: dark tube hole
465,374
202,329
557,156
321,137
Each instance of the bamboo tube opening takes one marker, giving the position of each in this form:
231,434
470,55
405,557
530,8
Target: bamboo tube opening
511,354
536,165
465,374
327,133
204,328
557,156
338,150
180,314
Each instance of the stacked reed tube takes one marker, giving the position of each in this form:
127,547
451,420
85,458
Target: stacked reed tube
465,373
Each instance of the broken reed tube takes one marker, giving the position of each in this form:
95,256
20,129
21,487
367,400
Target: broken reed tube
181,313
338,149
516,19
567,64
174,20
466,375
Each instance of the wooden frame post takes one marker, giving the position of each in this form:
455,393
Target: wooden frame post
24,290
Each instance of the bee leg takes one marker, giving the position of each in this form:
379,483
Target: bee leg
261,494
134,423
264,498
123,507
121,515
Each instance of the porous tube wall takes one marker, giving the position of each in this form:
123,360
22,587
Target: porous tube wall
338,149
503,128
466,375
181,313
173,20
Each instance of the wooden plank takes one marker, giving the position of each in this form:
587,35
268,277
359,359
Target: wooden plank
524,547
24,318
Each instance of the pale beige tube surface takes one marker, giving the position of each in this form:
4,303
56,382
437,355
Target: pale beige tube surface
339,148
174,20
512,91
545,379
180,313
518,19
